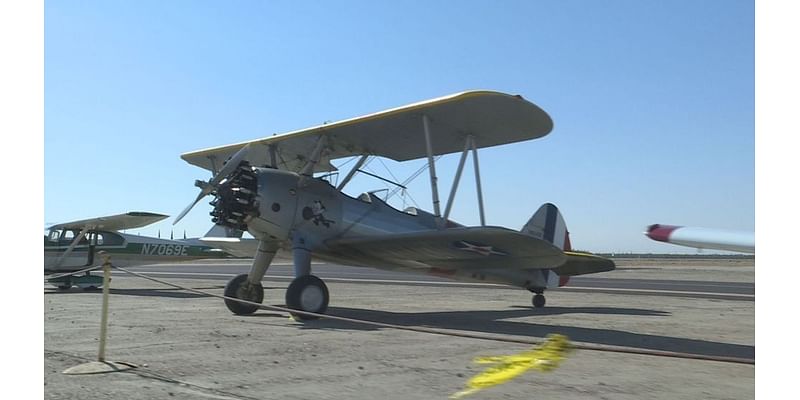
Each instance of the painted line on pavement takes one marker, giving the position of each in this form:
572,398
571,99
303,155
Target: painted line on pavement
478,284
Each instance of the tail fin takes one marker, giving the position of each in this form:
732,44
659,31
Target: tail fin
548,224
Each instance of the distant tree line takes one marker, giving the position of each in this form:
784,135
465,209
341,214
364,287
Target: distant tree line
670,255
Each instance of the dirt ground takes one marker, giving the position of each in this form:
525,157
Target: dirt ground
190,346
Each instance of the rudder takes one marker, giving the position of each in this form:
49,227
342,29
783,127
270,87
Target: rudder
548,224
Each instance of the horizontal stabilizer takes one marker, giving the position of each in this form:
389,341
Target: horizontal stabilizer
581,264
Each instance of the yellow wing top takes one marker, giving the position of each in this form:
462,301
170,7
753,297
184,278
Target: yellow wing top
491,118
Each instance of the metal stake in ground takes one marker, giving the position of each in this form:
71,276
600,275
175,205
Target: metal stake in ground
101,365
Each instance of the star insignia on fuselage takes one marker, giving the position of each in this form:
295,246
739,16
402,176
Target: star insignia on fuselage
482,249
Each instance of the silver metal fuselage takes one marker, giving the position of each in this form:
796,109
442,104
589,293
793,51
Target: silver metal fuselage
304,211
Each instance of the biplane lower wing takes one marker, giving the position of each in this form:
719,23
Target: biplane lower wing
582,264
235,246
458,248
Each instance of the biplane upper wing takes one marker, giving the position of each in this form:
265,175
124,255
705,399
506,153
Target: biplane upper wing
129,220
491,118
457,248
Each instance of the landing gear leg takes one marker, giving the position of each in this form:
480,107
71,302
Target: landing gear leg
306,292
248,286
538,298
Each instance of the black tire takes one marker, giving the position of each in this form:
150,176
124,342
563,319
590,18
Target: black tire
235,288
538,301
315,301
64,286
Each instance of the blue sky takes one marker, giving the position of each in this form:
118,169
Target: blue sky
653,102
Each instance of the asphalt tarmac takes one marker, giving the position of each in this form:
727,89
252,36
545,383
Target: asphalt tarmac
607,283
188,345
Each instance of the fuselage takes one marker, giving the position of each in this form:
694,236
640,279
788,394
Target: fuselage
276,205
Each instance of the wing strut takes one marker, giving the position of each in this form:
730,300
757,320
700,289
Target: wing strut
308,169
71,247
478,182
353,171
273,158
432,165
469,143
457,179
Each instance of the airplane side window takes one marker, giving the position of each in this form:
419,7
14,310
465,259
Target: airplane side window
99,241
110,239
66,238
54,236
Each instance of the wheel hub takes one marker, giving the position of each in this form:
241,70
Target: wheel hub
311,298
246,292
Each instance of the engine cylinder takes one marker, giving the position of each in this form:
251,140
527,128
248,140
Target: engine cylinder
236,198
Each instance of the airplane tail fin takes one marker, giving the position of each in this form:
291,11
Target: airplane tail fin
548,224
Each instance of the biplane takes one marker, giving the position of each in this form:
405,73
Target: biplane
73,246
272,188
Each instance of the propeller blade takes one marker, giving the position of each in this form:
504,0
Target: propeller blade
206,188
186,210
230,166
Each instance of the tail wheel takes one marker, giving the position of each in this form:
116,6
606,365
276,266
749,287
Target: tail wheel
240,288
307,293
538,301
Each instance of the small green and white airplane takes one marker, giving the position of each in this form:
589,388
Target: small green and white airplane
73,246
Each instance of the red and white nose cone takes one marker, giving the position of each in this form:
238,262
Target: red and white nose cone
660,232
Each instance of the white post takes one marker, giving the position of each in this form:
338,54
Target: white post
478,181
101,355
432,165
101,365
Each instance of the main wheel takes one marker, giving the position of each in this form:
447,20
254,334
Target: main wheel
239,288
538,301
307,293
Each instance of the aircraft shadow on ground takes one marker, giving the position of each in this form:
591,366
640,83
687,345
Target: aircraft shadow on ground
167,292
496,322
